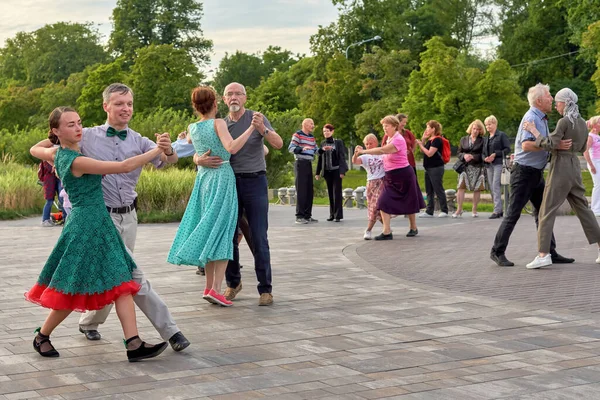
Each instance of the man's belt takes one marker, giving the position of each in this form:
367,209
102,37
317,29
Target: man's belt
250,174
123,210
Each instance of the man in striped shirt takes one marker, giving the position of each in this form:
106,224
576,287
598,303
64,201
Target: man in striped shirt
304,148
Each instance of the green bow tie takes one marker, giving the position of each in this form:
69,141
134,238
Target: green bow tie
110,132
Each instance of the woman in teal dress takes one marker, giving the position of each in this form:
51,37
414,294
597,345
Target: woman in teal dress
204,237
89,267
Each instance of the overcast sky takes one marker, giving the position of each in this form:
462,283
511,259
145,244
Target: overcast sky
232,25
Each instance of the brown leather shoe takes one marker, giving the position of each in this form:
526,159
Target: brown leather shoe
230,293
266,299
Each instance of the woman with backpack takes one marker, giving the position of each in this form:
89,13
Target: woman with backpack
52,187
433,163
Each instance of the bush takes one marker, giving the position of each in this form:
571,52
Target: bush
20,195
16,144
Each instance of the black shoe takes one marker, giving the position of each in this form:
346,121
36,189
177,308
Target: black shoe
383,236
143,351
91,334
311,220
412,232
558,259
337,220
178,342
330,219
501,260
37,345
200,271
495,216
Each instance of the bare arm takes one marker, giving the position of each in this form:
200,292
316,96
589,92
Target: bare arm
588,158
356,158
387,149
86,165
44,150
231,145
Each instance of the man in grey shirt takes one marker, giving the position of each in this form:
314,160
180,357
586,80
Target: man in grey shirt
250,167
115,141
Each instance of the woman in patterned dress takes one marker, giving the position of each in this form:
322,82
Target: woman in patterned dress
89,266
204,237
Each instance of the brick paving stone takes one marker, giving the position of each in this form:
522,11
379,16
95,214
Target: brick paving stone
368,320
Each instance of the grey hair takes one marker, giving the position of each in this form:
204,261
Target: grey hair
535,92
115,88
234,83
491,119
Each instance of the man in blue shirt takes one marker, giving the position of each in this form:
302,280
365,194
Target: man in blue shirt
527,175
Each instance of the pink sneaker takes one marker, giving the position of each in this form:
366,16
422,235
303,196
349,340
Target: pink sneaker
219,299
206,297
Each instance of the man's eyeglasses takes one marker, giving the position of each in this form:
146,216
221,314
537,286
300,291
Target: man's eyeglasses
231,94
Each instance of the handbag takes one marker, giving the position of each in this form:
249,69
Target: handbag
459,166
505,175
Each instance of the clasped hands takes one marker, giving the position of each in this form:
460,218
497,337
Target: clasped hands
163,141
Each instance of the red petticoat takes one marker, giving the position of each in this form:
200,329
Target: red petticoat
50,298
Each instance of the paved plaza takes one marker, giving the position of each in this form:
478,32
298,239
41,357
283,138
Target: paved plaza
429,317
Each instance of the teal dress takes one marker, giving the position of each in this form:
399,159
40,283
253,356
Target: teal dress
89,266
208,225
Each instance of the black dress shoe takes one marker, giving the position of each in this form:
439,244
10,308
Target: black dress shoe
330,219
178,342
143,352
501,260
383,236
91,334
558,259
412,233
495,216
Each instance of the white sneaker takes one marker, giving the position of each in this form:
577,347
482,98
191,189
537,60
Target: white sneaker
367,235
539,262
47,223
425,215
598,259
443,215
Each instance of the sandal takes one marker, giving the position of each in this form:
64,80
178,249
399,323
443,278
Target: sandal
37,345
457,214
143,352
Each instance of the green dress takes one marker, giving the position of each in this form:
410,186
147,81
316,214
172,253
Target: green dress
208,225
89,267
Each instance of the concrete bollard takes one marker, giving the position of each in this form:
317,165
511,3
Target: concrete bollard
348,198
450,199
359,196
282,196
291,192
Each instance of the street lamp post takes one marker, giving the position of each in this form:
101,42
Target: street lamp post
377,37
362,42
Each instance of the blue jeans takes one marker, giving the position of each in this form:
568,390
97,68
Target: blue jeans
254,202
48,206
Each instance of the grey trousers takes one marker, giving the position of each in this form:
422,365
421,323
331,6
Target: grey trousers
494,172
146,299
565,182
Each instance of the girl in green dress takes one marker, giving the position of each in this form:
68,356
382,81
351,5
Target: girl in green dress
89,266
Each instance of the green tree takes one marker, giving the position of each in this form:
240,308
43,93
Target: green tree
140,23
442,89
591,42
385,84
276,93
498,93
240,67
163,76
17,105
51,53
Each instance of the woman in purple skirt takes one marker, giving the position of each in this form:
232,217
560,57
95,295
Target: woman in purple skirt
401,194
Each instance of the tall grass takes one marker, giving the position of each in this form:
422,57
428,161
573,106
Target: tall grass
20,195
163,194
